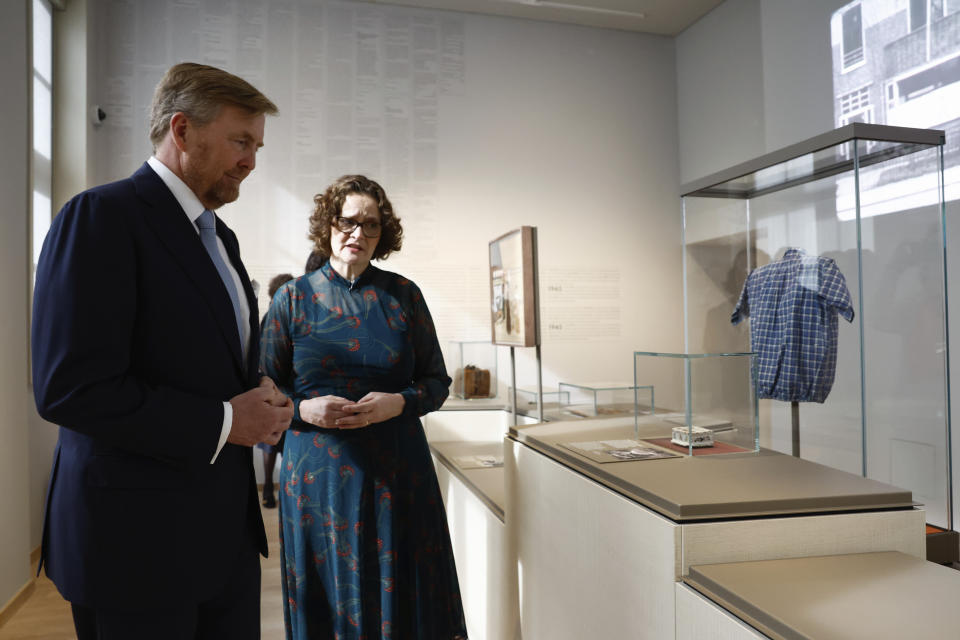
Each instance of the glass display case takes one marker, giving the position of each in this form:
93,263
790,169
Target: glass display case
553,399
587,400
701,408
828,260
473,367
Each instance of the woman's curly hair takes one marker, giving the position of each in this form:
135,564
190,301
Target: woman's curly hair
329,204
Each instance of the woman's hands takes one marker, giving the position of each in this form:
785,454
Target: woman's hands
372,408
324,411
334,412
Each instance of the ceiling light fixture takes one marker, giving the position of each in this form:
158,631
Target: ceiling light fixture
576,7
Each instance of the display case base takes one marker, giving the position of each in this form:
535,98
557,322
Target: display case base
943,545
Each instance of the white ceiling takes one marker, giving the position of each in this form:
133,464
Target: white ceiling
662,17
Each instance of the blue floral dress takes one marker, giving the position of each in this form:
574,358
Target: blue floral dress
363,532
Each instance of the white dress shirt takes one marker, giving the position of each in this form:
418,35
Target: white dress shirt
192,208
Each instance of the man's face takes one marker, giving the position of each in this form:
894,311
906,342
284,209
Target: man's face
220,155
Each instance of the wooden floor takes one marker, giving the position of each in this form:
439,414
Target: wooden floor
45,615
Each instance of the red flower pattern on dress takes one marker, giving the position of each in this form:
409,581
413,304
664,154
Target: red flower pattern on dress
302,499
346,470
353,320
369,295
319,295
308,477
337,312
353,344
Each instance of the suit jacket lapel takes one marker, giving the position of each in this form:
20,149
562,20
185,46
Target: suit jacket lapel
168,220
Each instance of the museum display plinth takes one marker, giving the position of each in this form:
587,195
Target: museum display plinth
881,596
628,531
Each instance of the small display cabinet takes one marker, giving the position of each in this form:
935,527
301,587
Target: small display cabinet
527,399
474,369
605,399
697,411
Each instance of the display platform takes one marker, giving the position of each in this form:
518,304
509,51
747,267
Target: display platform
454,403
466,460
864,595
735,485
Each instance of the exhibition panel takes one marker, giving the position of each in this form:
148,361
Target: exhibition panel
827,259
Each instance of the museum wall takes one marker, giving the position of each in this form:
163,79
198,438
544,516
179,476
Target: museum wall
14,187
475,125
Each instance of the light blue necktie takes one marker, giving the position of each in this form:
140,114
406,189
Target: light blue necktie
208,236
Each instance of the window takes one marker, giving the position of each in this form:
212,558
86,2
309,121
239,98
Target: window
41,168
918,14
852,37
855,102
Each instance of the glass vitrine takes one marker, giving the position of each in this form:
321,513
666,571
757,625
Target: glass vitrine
473,367
840,242
553,399
701,408
587,400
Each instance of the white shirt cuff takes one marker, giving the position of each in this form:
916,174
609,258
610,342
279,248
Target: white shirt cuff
224,430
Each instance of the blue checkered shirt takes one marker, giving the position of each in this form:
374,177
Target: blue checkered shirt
793,305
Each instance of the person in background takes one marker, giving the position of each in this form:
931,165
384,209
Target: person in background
267,450
366,549
314,261
145,353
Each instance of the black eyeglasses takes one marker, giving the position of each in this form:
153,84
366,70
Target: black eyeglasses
370,228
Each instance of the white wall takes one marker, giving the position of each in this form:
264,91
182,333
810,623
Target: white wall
753,76
475,125
14,187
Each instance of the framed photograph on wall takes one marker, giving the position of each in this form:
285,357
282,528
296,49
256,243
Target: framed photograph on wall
514,312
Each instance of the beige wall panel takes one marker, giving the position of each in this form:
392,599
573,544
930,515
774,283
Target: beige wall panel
768,539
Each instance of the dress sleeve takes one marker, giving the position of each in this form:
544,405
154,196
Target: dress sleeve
276,343
431,384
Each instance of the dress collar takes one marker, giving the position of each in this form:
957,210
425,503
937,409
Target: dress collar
361,280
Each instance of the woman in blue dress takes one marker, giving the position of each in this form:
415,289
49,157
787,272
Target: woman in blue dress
363,532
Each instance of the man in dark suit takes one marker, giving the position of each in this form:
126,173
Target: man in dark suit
145,351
